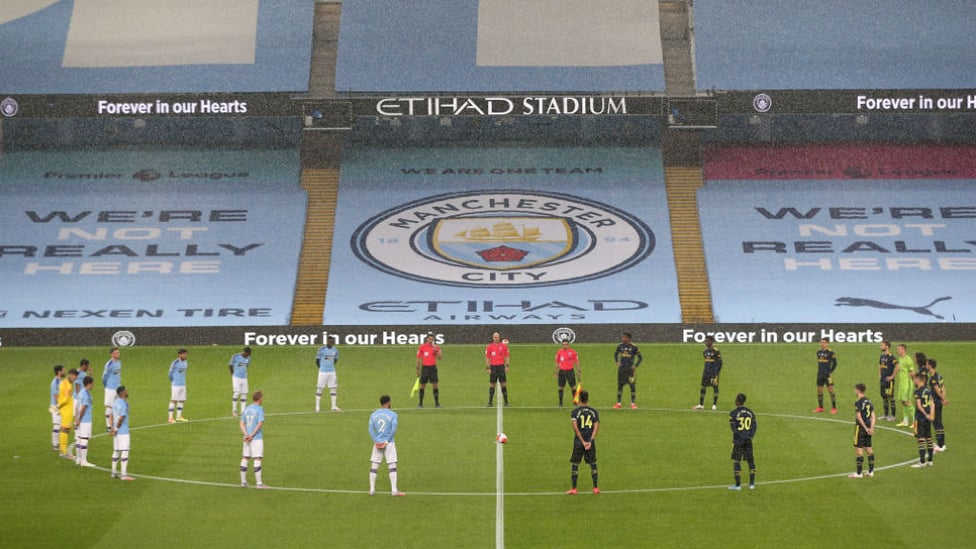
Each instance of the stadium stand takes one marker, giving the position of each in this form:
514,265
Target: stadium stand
839,232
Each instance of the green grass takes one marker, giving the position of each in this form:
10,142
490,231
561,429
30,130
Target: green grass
663,468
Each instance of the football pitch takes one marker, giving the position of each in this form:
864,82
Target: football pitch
664,469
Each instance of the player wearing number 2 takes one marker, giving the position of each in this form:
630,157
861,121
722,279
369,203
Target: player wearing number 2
743,423
586,423
382,428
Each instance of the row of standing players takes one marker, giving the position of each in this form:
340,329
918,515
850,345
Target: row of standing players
895,374
71,404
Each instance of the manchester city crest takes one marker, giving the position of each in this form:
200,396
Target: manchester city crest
510,239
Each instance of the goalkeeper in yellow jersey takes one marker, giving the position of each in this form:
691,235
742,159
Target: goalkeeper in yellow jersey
66,407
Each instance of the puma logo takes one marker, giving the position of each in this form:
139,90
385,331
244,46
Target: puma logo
861,302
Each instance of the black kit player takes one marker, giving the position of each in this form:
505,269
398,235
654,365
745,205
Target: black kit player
826,364
886,370
924,416
937,385
713,367
743,423
586,423
865,421
627,357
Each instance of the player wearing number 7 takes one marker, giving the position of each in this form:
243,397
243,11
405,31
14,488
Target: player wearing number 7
743,423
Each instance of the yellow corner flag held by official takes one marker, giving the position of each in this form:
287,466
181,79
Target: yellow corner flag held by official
416,387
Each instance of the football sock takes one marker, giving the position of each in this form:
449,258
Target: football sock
108,417
393,479
505,394
701,397
372,477
115,462
620,393
421,397
560,397
491,394
81,449
752,472
940,437
244,471
594,475
575,474
715,397
55,435
437,397
929,447
921,450
179,410
871,463
833,400
318,398
63,442
257,471
820,401
233,404
633,394
737,473
124,460
860,464
885,405
333,396
171,410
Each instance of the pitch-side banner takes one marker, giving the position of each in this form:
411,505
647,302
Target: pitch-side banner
454,235
868,44
145,46
499,45
173,243
871,250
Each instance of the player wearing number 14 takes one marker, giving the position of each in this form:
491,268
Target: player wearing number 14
586,423
743,423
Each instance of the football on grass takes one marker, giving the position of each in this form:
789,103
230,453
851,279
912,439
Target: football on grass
502,438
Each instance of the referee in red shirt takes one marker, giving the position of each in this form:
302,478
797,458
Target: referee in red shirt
427,356
567,368
496,362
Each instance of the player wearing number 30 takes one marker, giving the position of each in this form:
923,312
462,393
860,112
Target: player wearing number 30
743,423
382,428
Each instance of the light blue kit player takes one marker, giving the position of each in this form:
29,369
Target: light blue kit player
382,428
177,381
120,434
111,380
326,360
83,423
252,425
238,377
